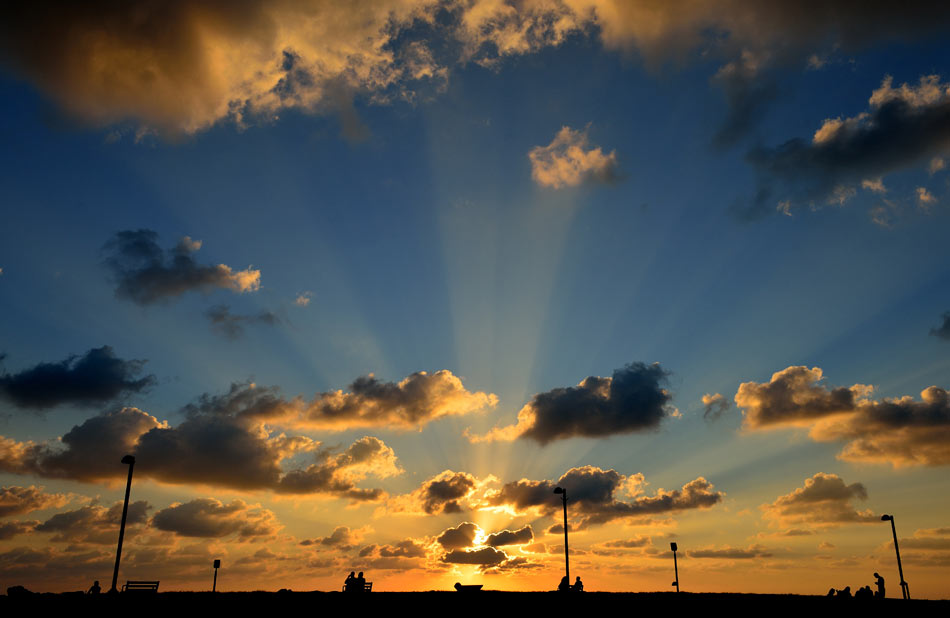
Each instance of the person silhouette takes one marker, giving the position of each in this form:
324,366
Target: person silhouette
846,593
880,586
348,585
565,585
360,583
578,585
94,588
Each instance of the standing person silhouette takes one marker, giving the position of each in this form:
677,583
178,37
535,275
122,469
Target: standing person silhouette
880,586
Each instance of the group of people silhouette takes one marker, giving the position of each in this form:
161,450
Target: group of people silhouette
354,583
861,593
566,586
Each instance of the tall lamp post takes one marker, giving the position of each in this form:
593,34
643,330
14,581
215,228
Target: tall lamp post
567,564
905,587
676,570
130,460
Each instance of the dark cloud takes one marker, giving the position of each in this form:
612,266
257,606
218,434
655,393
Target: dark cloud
211,518
825,499
341,537
403,549
484,557
232,325
10,529
633,399
731,553
19,500
520,536
636,542
943,331
748,94
714,406
459,537
443,493
900,431
904,126
144,273
206,449
404,555
592,493
93,523
97,377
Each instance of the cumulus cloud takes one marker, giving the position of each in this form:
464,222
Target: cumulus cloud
521,536
942,331
900,431
633,399
20,500
145,274
484,557
568,161
220,450
731,553
403,555
10,529
96,377
714,406
446,492
593,494
211,518
903,126
232,325
825,499
341,537
93,523
410,403
460,537
249,62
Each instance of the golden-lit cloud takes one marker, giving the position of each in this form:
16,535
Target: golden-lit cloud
446,492
633,399
714,405
731,553
211,518
824,499
568,161
21,500
94,523
900,431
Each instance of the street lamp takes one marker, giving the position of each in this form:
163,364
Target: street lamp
130,460
567,564
905,588
676,570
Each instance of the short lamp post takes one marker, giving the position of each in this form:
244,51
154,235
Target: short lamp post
130,460
676,571
905,588
214,584
567,564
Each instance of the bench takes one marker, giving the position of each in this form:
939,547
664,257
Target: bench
367,587
140,586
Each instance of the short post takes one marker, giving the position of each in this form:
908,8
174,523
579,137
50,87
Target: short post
676,571
130,460
214,584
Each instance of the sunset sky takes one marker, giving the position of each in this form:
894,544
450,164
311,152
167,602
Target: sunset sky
360,282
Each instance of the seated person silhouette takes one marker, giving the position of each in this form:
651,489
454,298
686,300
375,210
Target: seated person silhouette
360,583
565,585
880,586
349,585
94,589
846,593
578,585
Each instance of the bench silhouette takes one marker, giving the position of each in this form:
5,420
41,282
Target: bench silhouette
367,587
140,586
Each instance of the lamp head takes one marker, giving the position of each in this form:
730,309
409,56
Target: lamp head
559,490
673,546
128,459
887,517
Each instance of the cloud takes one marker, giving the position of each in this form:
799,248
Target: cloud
925,198
593,495
731,553
568,162
410,403
93,523
460,537
97,377
211,518
484,557
232,325
715,405
901,431
403,555
219,450
341,537
825,499
19,500
446,492
10,529
521,536
633,399
904,126
943,331
145,274
303,299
